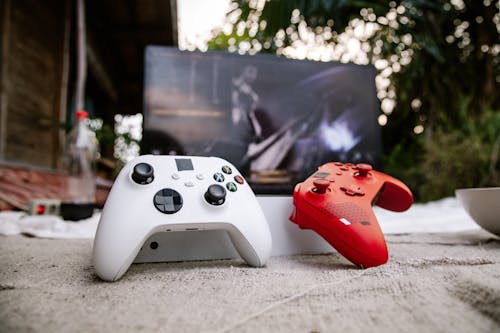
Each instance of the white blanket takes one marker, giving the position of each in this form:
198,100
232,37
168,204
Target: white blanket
444,215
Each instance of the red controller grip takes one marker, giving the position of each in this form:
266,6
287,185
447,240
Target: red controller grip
353,231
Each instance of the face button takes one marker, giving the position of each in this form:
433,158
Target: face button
215,195
352,190
168,201
227,170
231,187
143,173
338,163
219,177
175,176
239,180
344,168
338,173
200,176
321,185
363,169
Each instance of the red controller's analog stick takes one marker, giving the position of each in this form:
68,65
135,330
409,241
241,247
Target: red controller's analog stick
321,185
363,169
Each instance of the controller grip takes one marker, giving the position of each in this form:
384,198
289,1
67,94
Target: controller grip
352,230
116,246
245,249
111,267
112,259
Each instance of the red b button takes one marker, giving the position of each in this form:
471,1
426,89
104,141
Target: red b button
239,179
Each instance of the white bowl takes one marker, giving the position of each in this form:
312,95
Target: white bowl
483,205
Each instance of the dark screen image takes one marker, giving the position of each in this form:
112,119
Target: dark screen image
275,119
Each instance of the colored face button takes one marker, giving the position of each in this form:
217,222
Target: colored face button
239,179
219,177
231,187
227,170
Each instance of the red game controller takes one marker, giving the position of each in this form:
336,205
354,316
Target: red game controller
336,202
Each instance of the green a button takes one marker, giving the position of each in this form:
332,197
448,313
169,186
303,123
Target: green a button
231,187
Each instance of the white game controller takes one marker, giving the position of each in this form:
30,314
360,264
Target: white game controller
155,194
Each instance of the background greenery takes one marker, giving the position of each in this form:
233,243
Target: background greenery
441,59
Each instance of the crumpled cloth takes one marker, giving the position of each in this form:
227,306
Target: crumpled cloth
47,226
444,215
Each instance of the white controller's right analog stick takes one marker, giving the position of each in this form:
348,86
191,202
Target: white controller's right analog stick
215,195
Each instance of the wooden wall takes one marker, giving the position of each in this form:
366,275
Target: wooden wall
33,70
37,59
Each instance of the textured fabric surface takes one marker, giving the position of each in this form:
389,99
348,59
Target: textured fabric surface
446,282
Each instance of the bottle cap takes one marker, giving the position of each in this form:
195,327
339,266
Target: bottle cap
82,114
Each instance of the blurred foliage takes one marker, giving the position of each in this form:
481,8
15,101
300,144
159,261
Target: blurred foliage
106,137
448,87
462,157
111,141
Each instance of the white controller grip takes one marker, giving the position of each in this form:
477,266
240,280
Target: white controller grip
115,248
251,238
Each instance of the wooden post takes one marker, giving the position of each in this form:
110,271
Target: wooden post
5,10
61,105
81,73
